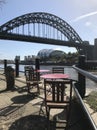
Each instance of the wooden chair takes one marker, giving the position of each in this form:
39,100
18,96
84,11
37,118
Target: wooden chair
58,95
31,79
58,70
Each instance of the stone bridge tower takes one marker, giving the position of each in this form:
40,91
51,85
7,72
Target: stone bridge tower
95,50
88,50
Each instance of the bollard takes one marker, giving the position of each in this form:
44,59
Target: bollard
5,65
81,85
10,80
37,67
17,68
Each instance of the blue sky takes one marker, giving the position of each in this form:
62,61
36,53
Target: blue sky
80,14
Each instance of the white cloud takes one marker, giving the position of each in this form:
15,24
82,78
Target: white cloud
88,23
84,16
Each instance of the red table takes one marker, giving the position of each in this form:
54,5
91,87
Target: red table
55,76
41,71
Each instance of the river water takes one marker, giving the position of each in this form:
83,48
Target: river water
68,70
72,73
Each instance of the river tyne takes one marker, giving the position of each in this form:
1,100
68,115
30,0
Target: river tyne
71,72
68,70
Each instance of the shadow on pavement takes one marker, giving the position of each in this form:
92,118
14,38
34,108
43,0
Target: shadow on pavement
17,103
22,99
31,122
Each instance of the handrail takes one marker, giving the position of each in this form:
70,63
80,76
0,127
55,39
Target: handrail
86,74
84,109
86,112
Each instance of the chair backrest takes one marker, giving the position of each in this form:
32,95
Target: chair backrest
29,73
58,70
58,91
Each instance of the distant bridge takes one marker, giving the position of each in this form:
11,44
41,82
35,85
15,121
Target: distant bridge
43,28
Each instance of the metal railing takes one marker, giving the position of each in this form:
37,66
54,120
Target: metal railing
85,74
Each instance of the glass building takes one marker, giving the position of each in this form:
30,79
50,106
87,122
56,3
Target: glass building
48,53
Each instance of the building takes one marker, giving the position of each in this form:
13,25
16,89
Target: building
50,55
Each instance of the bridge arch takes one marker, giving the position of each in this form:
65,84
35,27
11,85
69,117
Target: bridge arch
43,18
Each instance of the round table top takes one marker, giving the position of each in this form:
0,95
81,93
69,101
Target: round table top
55,76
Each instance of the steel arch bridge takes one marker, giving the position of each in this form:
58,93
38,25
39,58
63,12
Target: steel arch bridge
43,28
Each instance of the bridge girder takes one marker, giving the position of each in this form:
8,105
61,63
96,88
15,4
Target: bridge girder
51,20
44,18
31,39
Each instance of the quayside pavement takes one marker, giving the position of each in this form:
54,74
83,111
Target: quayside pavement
21,111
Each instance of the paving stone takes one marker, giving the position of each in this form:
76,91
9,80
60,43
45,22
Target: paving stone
21,111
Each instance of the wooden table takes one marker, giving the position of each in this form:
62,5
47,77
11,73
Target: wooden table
55,76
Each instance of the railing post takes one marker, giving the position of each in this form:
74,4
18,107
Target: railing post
37,67
5,65
81,79
17,68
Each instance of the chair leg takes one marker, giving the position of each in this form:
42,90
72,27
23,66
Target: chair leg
38,89
28,86
48,115
68,117
48,119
